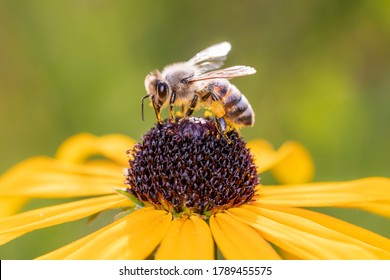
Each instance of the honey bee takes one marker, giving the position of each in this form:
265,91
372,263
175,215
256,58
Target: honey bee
194,84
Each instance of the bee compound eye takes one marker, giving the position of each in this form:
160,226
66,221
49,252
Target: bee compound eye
162,90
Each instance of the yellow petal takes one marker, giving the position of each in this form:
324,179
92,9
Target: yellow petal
367,193
378,207
287,255
265,156
188,238
295,164
45,177
14,226
236,240
290,164
348,229
304,238
83,146
132,237
10,205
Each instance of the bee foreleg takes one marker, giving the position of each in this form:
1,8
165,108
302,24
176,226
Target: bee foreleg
171,103
157,108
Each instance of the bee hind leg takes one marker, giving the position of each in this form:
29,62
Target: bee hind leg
221,126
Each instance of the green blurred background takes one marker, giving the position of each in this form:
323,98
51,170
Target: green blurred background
73,66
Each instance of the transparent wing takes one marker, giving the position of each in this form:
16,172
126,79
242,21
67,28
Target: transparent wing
211,58
227,73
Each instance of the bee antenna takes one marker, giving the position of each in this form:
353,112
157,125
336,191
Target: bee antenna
142,106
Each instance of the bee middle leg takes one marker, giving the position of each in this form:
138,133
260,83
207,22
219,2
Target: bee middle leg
206,96
194,102
191,108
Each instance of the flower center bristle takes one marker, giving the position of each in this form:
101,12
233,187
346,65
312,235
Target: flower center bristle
189,167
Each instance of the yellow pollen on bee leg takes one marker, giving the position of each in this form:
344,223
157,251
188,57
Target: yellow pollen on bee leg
218,109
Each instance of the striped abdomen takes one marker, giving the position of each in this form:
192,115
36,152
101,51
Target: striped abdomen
237,108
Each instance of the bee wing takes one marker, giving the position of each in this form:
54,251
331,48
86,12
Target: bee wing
211,58
227,73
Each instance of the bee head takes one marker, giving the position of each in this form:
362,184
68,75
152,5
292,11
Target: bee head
157,90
